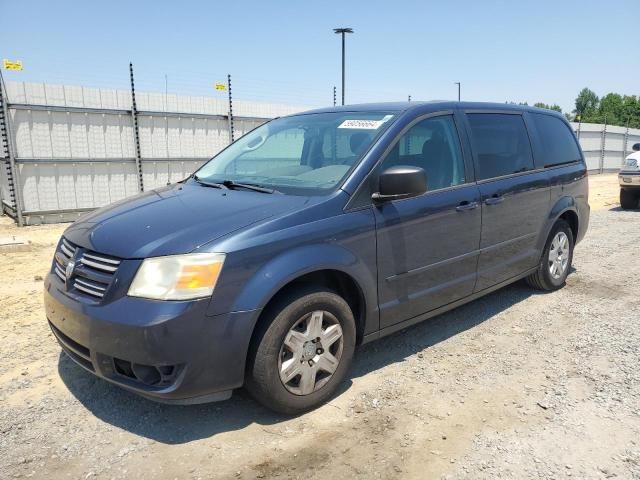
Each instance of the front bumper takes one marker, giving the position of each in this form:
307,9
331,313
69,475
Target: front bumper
167,351
629,179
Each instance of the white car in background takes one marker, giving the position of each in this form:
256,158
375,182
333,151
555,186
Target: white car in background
629,179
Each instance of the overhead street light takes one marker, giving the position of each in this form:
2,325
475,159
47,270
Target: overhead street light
342,31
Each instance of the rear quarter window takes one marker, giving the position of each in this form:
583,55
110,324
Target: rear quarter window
558,143
500,143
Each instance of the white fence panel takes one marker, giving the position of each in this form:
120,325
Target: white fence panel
75,146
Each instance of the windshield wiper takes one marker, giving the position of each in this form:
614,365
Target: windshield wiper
249,186
209,184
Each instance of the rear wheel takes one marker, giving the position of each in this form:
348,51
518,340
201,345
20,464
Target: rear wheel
303,352
556,259
629,198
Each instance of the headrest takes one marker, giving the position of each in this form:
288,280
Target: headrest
358,142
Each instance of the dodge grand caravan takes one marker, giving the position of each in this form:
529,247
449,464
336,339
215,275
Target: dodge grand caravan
310,235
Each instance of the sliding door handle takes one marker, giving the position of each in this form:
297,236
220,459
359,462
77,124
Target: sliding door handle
466,205
494,200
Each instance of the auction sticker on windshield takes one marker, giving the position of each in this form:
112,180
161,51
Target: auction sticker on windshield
364,124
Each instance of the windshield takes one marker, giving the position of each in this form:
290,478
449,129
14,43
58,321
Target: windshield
304,154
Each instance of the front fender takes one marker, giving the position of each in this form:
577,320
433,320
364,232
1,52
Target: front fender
292,264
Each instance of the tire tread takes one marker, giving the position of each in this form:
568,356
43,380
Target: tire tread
538,279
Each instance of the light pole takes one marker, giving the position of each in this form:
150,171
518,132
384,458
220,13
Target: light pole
342,31
458,83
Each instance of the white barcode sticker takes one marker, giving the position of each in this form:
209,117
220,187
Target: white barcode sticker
363,124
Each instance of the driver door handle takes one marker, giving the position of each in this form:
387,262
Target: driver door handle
466,205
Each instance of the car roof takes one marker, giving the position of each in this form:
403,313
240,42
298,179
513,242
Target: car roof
432,105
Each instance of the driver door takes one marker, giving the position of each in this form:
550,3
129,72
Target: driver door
428,246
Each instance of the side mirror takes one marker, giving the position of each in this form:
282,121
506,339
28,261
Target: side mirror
636,147
400,182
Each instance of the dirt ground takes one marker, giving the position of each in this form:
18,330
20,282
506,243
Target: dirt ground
515,385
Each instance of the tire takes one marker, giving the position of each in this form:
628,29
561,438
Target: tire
543,279
628,198
301,358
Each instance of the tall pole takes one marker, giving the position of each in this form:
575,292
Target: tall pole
342,32
626,141
11,172
458,83
342,68
579,124
136,131
230,116
166,119
603,145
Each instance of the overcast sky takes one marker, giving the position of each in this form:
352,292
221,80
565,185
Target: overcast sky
286,51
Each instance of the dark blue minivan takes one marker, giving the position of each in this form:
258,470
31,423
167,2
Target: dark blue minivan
310,235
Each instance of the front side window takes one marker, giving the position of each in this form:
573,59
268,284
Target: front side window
434,146
302,154
500,143
557,140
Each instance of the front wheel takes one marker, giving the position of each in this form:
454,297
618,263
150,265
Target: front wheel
556,259
302,353
628,198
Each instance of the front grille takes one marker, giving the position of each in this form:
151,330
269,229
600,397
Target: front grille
93,272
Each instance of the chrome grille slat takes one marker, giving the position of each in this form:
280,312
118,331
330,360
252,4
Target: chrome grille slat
66,250
61,261
101,259
90,285
88,290
58,271
98,266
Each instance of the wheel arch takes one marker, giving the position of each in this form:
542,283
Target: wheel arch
333,280
331,266
564,209
571,217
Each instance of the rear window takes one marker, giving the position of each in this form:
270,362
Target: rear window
500,143
558,143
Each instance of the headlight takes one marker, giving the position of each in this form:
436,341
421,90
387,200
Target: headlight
177,277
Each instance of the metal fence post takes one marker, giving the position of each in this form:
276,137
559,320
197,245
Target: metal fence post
15,195
334,96
579,125
626,141
136,132
603,145
231,133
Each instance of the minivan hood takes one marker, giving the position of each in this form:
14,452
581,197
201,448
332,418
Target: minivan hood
175,219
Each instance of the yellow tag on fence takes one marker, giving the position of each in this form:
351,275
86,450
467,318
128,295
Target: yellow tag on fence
220,86
9,65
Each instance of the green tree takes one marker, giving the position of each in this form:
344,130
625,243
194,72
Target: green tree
631,111
554,107
611,108
586,104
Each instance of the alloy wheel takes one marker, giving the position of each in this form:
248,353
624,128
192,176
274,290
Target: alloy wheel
558,255
310,353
